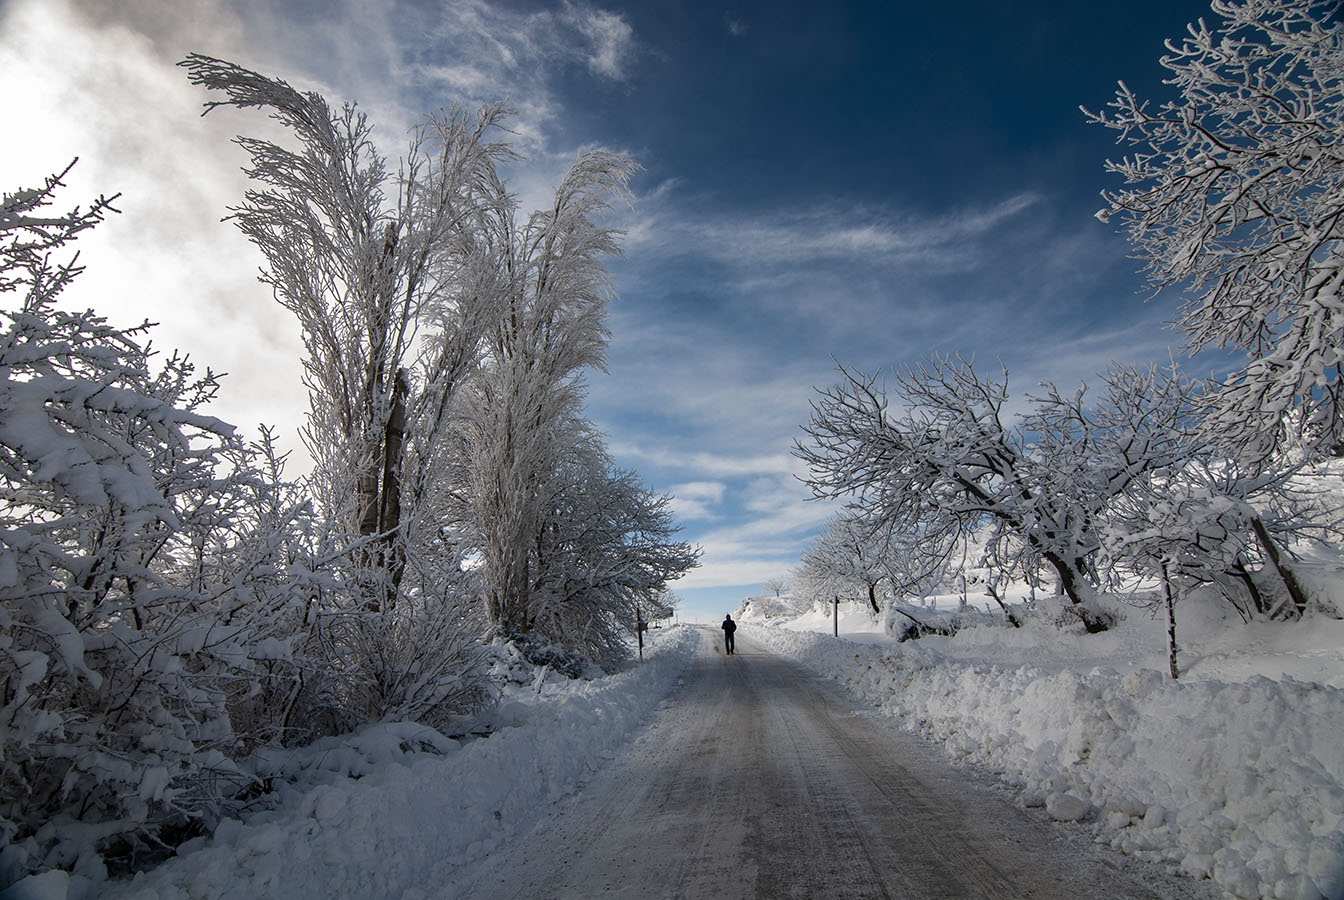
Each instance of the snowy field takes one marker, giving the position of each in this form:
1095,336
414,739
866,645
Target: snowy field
366,818
1234,773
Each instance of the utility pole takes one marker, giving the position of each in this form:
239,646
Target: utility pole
837,616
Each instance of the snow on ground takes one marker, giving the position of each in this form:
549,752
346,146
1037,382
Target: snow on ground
1235,772
410,819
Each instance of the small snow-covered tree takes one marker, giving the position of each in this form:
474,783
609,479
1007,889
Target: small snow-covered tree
1235,195
603,555
848,560
777,585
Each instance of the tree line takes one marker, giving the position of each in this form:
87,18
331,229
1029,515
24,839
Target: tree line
1232,197
170,601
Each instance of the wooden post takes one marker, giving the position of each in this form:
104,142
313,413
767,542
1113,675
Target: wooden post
837,615
639,630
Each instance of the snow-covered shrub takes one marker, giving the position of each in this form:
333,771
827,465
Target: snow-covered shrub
419,662
128,615
771,607
539,651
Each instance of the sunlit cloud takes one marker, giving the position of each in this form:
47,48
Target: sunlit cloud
111,96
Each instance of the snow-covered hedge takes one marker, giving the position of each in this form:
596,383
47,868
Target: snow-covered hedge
1242,782
411,823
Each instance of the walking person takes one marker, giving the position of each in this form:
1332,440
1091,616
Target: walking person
728,626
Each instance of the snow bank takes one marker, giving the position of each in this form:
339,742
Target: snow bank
404,830
1238,781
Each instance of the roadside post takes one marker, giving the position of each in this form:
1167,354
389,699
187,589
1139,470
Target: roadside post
640,628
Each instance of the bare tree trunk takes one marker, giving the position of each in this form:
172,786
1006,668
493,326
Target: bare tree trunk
1295,591
1012,619
1171,624
393,554
1075,587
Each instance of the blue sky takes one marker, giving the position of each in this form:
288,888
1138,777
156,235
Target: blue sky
862,182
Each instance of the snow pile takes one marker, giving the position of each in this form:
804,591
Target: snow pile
407,827
1241,781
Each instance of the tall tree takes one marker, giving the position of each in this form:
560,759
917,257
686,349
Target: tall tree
550,330
1235,195
368,262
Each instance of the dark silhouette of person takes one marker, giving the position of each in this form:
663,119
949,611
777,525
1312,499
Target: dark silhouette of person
728,626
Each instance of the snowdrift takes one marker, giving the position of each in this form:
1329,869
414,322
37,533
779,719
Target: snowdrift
1238,779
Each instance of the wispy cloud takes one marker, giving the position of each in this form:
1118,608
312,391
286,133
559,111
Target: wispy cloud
478,52
610,39
706,462
697,500
799,237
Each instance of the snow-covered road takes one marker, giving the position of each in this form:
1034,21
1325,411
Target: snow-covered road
761,780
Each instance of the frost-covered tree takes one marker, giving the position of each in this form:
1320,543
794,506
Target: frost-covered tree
394,282
847,559
368,262
944,465
137,603
777,585
554,290
851,561
603,555
1211,521
1234,196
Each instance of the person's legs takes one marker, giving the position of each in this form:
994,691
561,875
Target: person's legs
728,640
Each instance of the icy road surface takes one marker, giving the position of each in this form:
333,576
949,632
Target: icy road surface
760,780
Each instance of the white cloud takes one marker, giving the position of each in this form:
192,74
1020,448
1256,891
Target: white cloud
110,94
799,238
697,500
610,39
703,491
705,462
